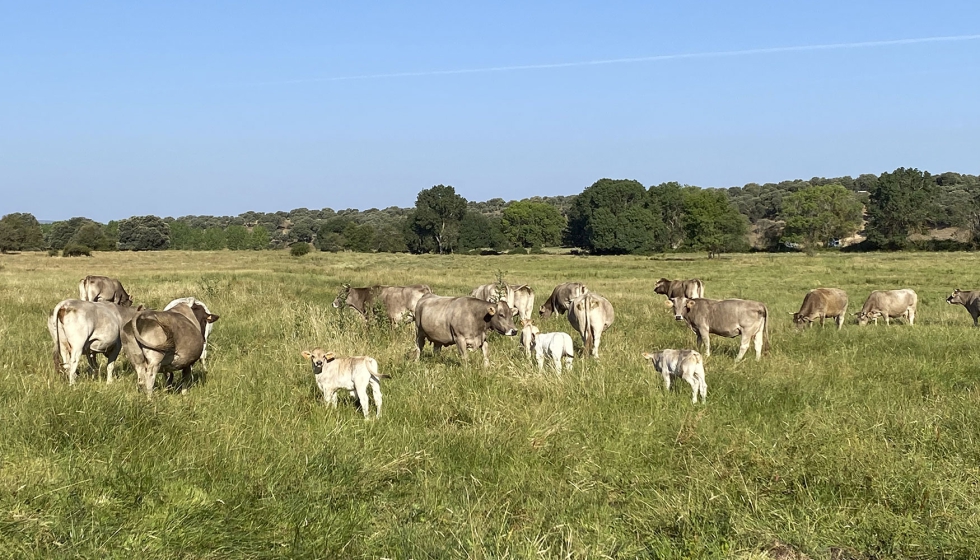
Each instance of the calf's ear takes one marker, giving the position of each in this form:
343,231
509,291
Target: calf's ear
212,318
492,310
307,354
329,357
690,303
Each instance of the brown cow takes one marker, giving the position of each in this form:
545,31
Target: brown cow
397,300
561,297
691,289
591,314
103,288
728,318
167,341
821,303
463,321
889,304
970,300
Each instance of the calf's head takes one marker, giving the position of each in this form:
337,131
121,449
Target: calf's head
958,296
500,318
654,358
318,358
682,306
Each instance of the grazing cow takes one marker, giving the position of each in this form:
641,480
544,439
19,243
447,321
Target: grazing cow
397,300
820,304
686,364
591,314
728,318
207,329
83,327
103,288
167,341
691,289
352,374
463,321
554,345
561,298
889,304
970,300
520,298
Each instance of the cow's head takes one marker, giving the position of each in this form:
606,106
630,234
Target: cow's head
500,318
546,310
125,299
661,286
682,306
341,298
864,318
801,320
203,317
318,358
958,296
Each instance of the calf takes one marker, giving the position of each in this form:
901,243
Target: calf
820,304
555,345
82,327
352,374
889,304
686,364
970,300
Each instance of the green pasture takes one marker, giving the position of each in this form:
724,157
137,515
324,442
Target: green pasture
863,443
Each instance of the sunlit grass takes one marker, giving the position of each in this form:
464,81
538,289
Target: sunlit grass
866,439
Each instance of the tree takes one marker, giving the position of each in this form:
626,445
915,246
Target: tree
20,232
438,213
259,238
670,198
143,233
616,217
90,235
816,215
359,238
477,231
183,237
901,203
236,237
712,223
213,239
532,224
61,232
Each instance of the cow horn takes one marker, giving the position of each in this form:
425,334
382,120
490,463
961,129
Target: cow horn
492,310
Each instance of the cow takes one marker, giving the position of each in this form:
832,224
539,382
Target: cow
686,364
168,341
554,345
397,300
970,300
463,321
821,303
691,289
591,314
889,304
82,327
560,298
207,329
728,318
520,297
352,374
103,288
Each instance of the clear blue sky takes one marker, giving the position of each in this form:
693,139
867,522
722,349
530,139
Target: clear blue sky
109,110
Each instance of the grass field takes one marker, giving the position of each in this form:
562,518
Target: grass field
863,443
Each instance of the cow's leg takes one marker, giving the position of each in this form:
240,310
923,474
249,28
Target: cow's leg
111,356
822,317
686,375
911,314
92,363
704,339
758,342
666,375
362,397
702,385
840,321
486,353
743,346
150,379
569,361
73,358
419,343
556,359
376,389
976,315
186,379
595,342
540,358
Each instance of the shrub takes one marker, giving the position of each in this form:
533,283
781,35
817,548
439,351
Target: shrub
76,250
299,249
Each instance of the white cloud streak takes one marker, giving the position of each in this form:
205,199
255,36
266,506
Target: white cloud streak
634,60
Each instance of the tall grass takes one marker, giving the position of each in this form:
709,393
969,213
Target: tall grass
861,443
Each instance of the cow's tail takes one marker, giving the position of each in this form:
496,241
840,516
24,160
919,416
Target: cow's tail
700,286
372,365
168,346
83,289
765,330
54,325
588,326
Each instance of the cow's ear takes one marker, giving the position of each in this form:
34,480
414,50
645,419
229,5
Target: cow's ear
689,304
329,357
141,307
492,310
307,354
212,318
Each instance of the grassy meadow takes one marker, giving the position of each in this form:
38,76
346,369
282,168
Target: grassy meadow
863,443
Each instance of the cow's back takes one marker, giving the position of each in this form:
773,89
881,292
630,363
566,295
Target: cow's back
828,301
892,302
725,317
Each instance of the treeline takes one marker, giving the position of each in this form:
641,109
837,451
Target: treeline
609,217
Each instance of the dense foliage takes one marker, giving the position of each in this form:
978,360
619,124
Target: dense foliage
20,232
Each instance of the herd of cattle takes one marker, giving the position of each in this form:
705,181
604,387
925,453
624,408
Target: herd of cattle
103,321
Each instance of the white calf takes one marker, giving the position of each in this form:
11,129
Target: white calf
686,364
352,374
557,346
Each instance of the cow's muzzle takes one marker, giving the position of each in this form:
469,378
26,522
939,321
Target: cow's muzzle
511,332
679,317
